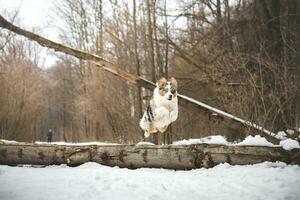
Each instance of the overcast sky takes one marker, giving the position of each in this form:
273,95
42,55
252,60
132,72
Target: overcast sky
33,14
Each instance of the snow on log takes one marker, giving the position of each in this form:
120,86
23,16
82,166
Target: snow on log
178,157
139,81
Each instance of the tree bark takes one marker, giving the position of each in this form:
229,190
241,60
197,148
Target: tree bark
137,61
166,64
150,40
178,157
186,102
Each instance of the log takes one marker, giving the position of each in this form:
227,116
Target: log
187,102
177,157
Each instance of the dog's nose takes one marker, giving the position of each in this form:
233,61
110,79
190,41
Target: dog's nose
170,97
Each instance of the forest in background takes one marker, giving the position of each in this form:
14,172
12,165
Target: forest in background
241,57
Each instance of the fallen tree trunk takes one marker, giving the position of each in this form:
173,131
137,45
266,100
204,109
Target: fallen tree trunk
179,157
187,102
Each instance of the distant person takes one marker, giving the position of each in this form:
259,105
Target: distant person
50,135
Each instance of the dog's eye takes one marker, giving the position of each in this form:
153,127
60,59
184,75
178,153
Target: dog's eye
173,90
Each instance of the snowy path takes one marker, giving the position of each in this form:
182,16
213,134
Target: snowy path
94,181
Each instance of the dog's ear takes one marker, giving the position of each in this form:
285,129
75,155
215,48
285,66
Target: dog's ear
173,82
161,83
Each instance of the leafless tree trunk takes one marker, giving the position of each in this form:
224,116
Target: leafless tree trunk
150,40
137,61
151,52
166,65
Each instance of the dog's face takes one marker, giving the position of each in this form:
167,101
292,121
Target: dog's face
167,88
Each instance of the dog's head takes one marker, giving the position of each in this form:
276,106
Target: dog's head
167,88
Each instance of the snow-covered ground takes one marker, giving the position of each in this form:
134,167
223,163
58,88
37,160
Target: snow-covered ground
60,143
93,181
78,144
286,143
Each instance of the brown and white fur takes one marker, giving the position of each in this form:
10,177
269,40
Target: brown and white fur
163,107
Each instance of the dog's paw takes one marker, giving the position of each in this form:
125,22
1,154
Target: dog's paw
156,118
162,130
146,134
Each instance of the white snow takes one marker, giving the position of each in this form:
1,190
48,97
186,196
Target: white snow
215,139
93,181
289,144
281,135
9,141
255,141
145,143
60,143
78,144
290,131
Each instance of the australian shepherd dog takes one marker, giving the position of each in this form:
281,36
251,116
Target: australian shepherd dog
162,109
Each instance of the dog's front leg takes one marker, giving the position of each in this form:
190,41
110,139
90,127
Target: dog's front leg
173,115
